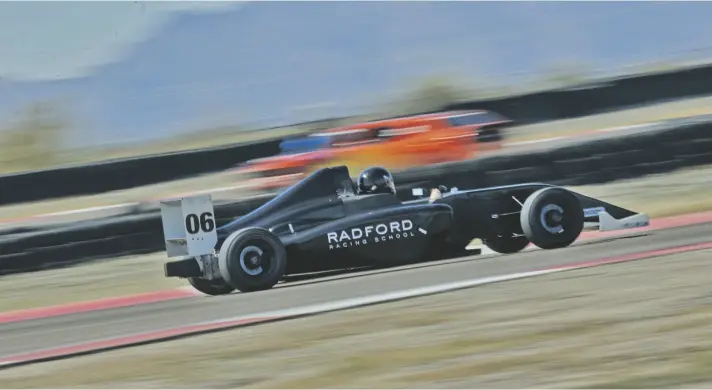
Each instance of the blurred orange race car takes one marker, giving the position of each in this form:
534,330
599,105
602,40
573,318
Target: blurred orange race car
395,143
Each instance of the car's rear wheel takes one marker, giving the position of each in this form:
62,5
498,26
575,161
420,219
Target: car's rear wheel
552,218
252,259
507,245
211,287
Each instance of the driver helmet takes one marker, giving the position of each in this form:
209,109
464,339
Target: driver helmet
376,180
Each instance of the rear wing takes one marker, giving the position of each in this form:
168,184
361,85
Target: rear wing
189,227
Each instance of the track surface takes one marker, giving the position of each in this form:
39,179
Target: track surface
41,334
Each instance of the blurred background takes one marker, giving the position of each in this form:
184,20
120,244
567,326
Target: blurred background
123,83
83,81
610,99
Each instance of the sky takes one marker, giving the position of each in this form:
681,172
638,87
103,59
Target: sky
42,40
136,71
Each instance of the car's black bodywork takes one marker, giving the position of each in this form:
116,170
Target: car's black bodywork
308,215
323,224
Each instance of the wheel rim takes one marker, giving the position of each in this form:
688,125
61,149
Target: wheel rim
252,260
551,218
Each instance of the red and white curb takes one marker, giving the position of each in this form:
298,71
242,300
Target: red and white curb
228,323
99,304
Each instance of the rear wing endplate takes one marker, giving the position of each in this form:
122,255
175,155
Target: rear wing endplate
189,226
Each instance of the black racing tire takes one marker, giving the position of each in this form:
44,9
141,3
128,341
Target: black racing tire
552,218
247,244
507,245
211,287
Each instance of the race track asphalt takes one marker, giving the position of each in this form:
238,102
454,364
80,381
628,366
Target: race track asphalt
45,333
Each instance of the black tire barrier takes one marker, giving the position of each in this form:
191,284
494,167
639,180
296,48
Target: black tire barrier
126,173
79,252
660,149
81,232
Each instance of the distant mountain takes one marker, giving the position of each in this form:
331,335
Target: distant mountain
257,63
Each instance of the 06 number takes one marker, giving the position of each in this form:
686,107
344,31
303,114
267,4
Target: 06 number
194,224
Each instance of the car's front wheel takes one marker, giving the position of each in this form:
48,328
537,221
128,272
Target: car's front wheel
552,218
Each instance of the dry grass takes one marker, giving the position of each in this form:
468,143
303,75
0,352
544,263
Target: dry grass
681,192
602,327
102,279
630,117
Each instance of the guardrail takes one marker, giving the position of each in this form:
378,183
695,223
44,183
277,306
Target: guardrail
523,109
653,149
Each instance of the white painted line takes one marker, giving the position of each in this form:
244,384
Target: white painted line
314,309
609,129
381,298
631,127
452,286
88,209
67,212
537,141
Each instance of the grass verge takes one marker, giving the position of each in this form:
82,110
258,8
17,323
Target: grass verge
629,117
596,328
101,279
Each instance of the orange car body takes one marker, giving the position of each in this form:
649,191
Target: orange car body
395,143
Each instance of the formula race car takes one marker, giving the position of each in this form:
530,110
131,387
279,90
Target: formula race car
327,222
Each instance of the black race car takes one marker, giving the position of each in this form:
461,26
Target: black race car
326,222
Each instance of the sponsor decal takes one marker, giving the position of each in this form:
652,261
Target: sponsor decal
371,234
633,225
592,212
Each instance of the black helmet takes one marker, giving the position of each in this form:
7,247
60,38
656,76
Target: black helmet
376,180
